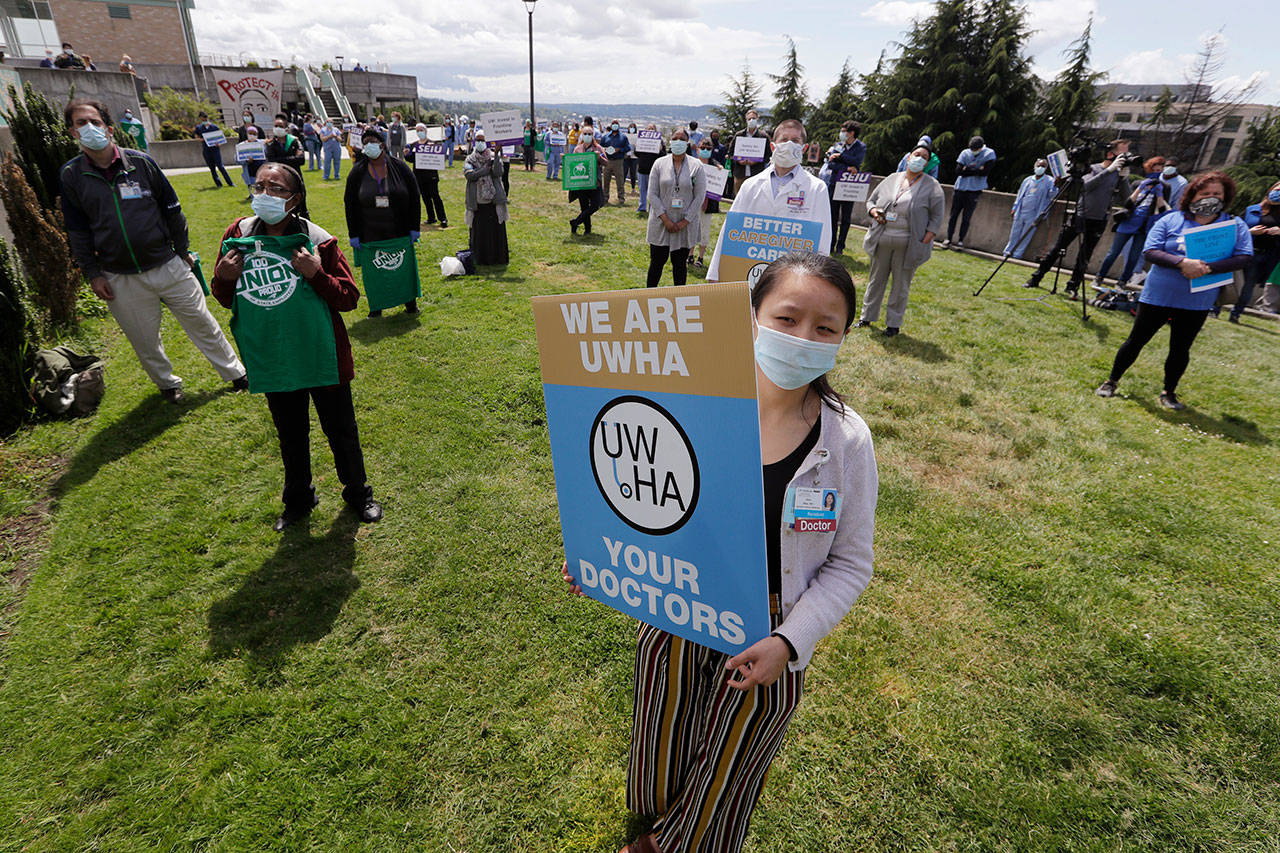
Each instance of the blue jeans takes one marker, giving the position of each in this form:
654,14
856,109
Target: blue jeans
1136,242
311,145
1024,226
333,157
644,193
553,162
448,151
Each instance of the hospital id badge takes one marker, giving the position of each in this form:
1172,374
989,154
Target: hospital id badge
890,216
130,190
381,201
677,203
812,510
795,200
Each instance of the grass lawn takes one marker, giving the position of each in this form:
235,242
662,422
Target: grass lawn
1071,641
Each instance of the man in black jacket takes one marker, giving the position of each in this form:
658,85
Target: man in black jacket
129,238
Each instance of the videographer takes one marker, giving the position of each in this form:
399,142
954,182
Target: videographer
1090,219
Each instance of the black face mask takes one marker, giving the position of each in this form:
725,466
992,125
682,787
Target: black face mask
1208,206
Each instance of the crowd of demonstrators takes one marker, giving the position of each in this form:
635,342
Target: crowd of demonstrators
701,748
972,168
1263,220
129,237
381,199
1089,222
486,204
906,211
589,200
1146,203
428,179
845,156
212,153
1031,204
677,189
1167,296
783,189
280,213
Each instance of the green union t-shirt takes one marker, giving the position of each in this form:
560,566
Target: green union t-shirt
282,326
390,272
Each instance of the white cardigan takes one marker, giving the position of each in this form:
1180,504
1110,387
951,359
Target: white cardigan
824,573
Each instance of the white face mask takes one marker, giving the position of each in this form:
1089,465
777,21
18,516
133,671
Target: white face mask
1170,171
279,131
679,146
916,164
787,154
752,124
481,146
1039,171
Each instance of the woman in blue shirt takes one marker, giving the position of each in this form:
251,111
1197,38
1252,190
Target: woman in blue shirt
1167,296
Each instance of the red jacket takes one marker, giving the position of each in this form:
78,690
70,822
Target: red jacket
334,283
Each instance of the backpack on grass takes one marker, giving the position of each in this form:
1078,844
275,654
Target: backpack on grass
66,382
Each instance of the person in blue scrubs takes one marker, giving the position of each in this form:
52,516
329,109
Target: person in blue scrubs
1032,202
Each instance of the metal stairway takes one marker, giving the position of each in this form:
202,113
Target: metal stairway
316,103
334,100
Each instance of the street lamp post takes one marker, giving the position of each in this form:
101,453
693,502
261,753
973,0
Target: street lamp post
533,119
339,58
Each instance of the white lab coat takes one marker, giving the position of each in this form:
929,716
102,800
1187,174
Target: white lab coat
756,196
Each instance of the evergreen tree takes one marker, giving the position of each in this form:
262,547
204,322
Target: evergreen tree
840,105
791,91
1007,92
743,94
40,141
1161,115
1073,98
1262,141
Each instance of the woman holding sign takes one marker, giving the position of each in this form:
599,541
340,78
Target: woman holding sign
295,345
383,211
706,726
589,200
677,189
486,203
1172,294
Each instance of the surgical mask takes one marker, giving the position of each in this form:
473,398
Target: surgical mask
614,128
786,154
373,150
1274,196
1039,171
1169,171
752,124
128,116
792,362
422,136
481,146
916,164
1208,206
269,208
248,119
679,146
704,153
93,137
279,131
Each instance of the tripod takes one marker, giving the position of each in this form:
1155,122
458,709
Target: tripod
1070,194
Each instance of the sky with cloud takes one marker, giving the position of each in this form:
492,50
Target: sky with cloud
682,51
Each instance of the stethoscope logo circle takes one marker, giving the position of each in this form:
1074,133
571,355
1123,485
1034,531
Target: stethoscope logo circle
644,465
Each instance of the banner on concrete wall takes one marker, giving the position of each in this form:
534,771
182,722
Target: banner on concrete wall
253,90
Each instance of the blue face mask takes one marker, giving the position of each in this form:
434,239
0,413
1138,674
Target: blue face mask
269,208
916,164
373,150
792,362
1274,196
679,146
93,137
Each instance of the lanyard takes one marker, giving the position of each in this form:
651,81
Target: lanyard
902,188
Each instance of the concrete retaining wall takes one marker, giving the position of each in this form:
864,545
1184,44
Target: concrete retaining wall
188,153
118,91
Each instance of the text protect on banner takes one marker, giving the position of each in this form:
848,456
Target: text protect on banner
656,446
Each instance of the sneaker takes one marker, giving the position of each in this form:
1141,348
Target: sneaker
1031,282
1169,400
1106,389
959,244
944,244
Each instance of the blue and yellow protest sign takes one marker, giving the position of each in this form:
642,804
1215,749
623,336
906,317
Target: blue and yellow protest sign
750,242
655,439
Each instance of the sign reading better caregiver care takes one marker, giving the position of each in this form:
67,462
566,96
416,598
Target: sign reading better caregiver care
655,438
751,242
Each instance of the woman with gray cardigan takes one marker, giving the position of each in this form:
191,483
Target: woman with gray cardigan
677,188
906,211
486,204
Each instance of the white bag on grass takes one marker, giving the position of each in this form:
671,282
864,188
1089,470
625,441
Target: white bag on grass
451,266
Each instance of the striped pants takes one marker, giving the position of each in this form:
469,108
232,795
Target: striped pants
700,749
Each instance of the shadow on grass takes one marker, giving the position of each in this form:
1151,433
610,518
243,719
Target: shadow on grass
592,239
854,265
295,597
370,330
1228,426
926,351
144,422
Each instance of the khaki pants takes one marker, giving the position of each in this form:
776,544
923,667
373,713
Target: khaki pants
613,172
136,307
889,258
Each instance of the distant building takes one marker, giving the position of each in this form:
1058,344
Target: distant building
147,30
1217,143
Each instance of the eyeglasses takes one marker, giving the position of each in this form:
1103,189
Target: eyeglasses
277,190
